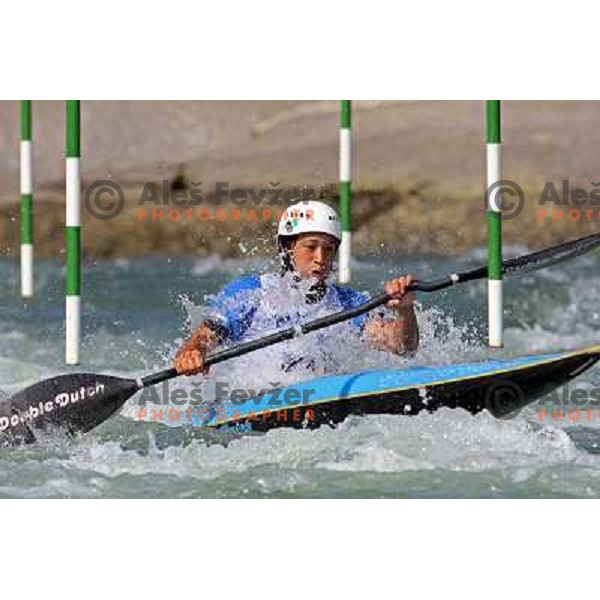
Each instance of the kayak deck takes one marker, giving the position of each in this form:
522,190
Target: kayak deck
500,386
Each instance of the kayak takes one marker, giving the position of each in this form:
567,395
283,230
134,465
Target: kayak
78,402
503,387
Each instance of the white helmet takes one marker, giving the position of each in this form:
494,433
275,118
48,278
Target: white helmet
309,216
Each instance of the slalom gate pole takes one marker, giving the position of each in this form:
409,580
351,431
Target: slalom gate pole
26,190
494,225
73,235
345,189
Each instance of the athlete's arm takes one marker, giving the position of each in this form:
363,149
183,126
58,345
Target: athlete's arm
401,333
231,313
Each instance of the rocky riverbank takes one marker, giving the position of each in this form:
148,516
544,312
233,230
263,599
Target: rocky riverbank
386,220
418,171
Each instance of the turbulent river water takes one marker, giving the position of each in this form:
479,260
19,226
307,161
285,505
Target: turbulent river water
137,311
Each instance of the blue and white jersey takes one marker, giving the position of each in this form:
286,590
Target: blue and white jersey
253,306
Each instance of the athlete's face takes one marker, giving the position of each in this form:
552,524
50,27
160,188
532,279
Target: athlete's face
313,254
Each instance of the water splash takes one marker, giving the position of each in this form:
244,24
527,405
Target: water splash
143,310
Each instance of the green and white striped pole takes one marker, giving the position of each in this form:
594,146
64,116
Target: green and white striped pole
73,234
345,189
494,222
26,188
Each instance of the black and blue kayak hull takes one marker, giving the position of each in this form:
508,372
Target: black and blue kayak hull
503,387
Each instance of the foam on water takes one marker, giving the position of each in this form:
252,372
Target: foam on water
491,456
448,453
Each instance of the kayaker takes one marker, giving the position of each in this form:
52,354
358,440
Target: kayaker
308,238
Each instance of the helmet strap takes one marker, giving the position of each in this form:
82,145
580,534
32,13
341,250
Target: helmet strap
284,248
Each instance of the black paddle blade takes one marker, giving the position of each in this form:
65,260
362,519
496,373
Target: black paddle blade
73,403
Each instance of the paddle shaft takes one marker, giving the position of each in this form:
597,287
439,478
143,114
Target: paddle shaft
292,332
534,261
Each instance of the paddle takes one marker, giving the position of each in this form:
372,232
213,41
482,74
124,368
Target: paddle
79,402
